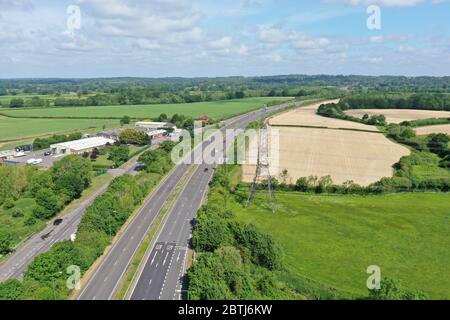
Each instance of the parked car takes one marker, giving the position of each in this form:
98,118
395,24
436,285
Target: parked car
47,153
34,161
19,154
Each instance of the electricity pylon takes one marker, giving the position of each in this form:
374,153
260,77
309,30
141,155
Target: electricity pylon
263,168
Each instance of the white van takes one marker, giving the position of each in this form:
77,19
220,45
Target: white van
34,161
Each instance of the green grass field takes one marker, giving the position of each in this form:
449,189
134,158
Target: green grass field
216,109
13,128
333,239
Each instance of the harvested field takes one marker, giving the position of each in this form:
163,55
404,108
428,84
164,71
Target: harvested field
363,157
308,117
444,128
399,115
351,154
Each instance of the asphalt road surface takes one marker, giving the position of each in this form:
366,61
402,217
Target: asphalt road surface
163,276
15,265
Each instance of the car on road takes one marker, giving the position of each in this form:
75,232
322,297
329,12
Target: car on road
139,167
206,170
47,153
45,236
57,222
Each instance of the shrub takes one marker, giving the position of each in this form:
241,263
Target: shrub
9,203
5,242
11,290
211,231
29,221
391,289
17,213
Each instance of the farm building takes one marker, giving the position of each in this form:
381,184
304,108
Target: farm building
156,133
203,118
111,134
155,125
79,146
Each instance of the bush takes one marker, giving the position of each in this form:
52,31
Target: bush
265,252
17,213
30,221
9,203
211,231
391,289
130,136
42,213
11,290
5,242
119,155
47,199
72,175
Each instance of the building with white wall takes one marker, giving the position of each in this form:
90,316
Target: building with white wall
155,125
80,146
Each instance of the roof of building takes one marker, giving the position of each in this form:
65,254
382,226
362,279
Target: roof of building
82,144
156,132
204,118
155,124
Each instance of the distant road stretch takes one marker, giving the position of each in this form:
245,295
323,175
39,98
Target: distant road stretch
163,272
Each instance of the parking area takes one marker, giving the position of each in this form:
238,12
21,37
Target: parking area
47,161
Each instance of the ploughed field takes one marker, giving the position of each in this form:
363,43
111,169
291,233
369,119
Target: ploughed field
332,239
346,155
399,115
214,109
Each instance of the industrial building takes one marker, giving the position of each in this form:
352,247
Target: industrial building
80,146
155,125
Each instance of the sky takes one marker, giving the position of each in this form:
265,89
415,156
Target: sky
209,38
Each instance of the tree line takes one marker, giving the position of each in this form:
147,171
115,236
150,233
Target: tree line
51,190
235,260
45,278
45,143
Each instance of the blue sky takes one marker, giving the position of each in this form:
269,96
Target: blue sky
159,38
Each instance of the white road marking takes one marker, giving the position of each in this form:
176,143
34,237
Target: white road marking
164,263
153,260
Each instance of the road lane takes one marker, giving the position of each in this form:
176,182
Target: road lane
178,229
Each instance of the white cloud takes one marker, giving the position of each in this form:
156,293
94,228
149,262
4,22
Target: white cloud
222,43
